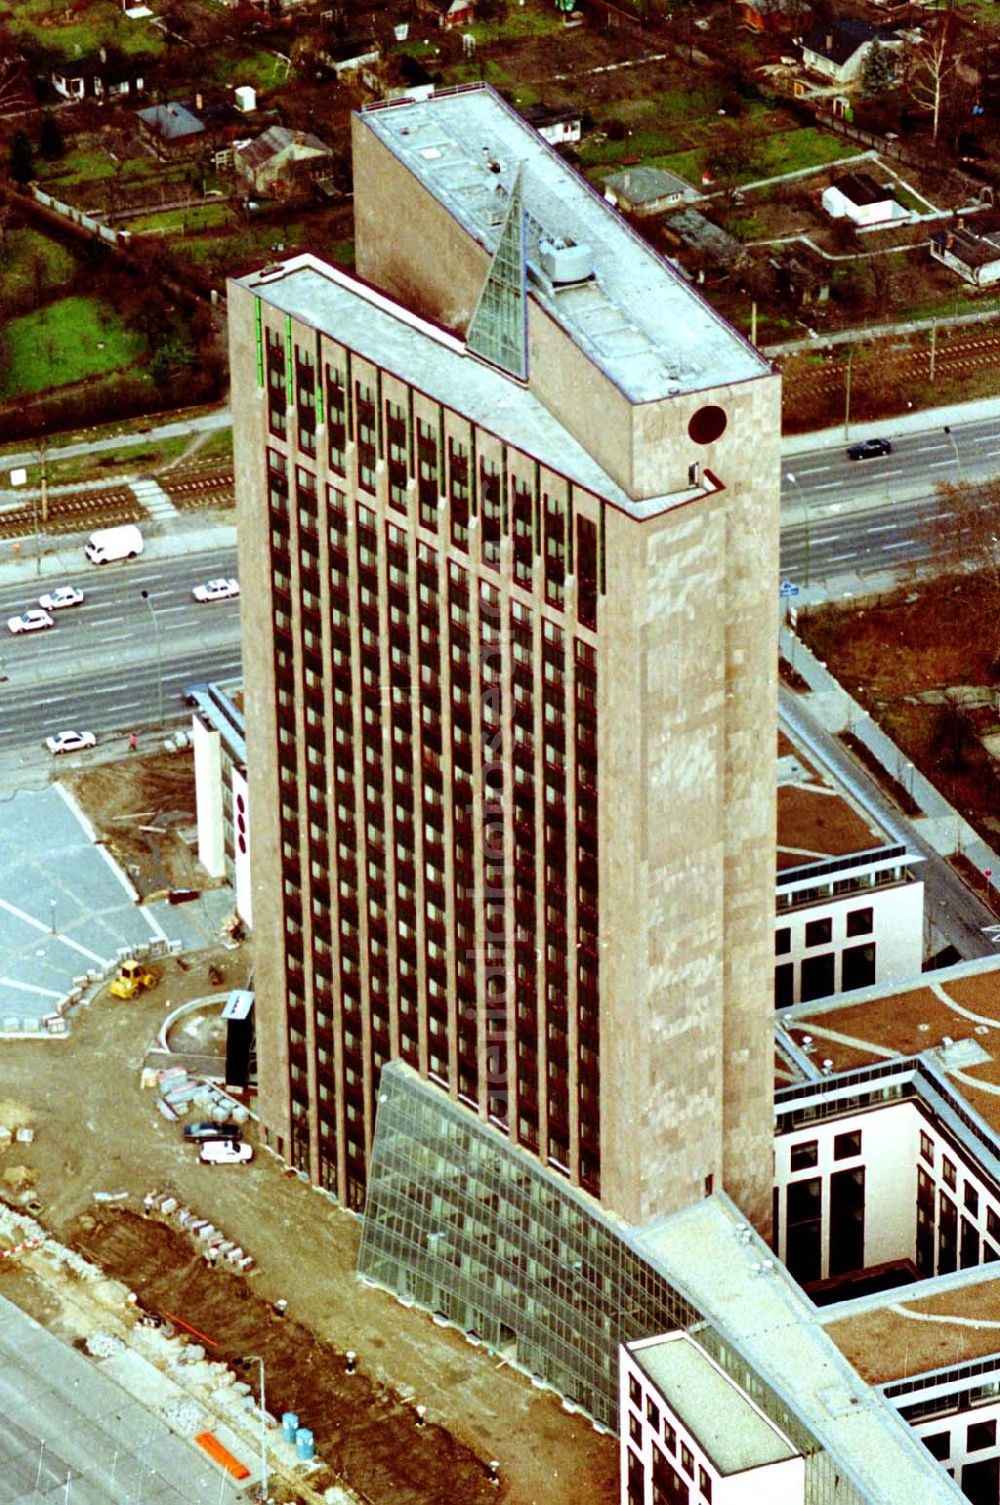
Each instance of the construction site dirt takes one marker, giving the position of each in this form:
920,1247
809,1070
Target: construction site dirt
97,1131
143,810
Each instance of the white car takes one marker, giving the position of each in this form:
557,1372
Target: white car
30,621
65,742
225,1152
217,590
63,595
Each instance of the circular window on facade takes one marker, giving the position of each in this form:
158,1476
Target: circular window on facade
707,425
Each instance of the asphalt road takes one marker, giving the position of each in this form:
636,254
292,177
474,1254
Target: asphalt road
844,516
70,1434
100,667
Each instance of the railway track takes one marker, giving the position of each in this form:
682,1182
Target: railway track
875,368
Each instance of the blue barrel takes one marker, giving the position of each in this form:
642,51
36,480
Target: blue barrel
289,1426
304,1444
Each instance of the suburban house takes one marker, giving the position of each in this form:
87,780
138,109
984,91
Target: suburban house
973,254
97,78
172,129
448,12
647,190
184,127
557,125
856,196
837,49
282,162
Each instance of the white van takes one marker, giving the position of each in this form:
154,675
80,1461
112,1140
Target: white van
124,542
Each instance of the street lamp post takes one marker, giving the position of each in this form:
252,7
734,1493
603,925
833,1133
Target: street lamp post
159,657
255,1358
805,513
958,457
847,393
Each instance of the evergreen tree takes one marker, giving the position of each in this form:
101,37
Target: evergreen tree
21,162
878,74
50,138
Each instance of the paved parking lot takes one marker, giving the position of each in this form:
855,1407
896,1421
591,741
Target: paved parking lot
65,907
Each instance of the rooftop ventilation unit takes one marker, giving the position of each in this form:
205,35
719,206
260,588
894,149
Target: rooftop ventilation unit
564,262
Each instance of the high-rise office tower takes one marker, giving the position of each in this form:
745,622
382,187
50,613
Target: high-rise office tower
508,548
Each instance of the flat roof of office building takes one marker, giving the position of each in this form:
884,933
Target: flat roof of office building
956,1004
730,1274
637,319
435,362
735,1435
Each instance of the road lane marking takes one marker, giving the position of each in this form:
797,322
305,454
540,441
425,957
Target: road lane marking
882,528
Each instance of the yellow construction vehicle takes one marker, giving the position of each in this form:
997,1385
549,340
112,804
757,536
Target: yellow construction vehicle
132,978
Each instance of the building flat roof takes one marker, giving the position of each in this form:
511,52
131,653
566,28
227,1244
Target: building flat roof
636,319
816,820
878,1024
734,1434
436,363
707,1250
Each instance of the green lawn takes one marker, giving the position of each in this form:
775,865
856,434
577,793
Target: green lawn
179,221
64,342
77,165
788,151
518,22
261,69
44,23
29,260
484,71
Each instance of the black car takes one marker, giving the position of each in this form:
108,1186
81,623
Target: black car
211,1131
870,449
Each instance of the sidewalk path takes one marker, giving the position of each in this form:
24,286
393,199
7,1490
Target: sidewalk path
174,428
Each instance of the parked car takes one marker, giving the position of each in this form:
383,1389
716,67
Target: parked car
225,1152
63,595
29,621
221,589
870,449
107,544
208,1130
67,742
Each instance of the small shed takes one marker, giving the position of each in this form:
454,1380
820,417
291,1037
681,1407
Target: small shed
856,196
557,125
647,190
448,13
973,254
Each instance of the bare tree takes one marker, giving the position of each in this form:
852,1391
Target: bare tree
931,65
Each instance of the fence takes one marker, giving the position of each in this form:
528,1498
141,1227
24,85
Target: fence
77,217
